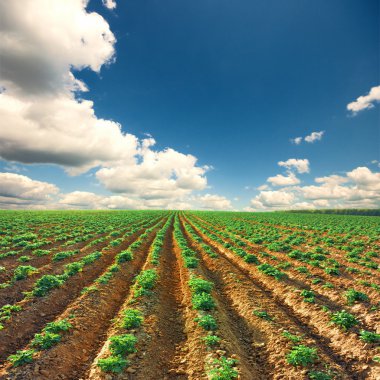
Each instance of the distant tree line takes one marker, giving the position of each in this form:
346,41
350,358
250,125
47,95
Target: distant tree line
353,211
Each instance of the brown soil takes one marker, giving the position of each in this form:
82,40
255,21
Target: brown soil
345,350
38,311
329,297
239,338
170,342
14,293
164,325
93,315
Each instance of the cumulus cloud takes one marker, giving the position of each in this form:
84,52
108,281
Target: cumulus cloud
296,140
81,199
358,188
364,178
110,4
331,180
272,200
314,136
41,43
163,174
89,200
20,191
20,188
281,180
214,202
366,101
300,165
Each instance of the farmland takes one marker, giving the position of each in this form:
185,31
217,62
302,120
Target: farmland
189,295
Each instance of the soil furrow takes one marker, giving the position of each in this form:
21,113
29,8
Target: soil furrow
165,324
267,297
93,316
39,311
332,298
239,337
14,293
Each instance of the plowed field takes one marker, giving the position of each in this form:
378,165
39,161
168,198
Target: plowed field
189,295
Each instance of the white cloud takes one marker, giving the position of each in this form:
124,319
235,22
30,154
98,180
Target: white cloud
214,202
364,178
281,180
331,180
163,174
41,43
273,199
324,191
81,199
296,140
321,203
88,200
366,101
301,165
314,136
263,187
62,131
24,189
110,4
359,188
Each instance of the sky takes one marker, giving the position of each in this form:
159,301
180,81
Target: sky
209,104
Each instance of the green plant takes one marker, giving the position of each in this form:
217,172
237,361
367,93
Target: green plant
46,340
23,259
41,252
7,310
293,338
352,296
198,285
63,255
89,259
124,256
344,319
45,284
202,301
223,369
271,271
251,259
308,295
58,326
73,268
302,355
89,289
319,375
132,318
207,322
145,281
23,271
21,357
211,340
369,337
114,364
123,344
263,315
332,271
302,270
191,262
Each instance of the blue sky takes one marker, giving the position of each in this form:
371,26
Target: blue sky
232,83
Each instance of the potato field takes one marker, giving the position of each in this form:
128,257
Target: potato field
189,295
